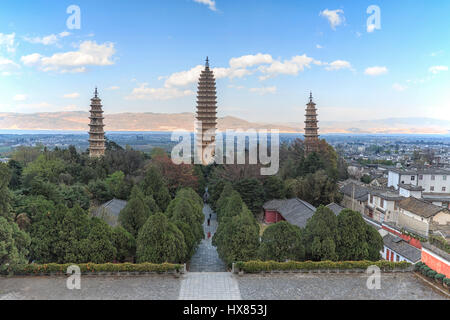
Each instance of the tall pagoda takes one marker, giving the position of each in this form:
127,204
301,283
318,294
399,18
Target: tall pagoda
206,118
311,128
96,131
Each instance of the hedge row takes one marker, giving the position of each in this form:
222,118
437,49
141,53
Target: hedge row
53,268
259,266
432,274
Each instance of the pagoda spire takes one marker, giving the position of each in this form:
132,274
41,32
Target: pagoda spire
96,131
311,128
206,117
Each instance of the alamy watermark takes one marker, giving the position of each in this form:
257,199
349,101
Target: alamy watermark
74,280
374,279
374,20
74,20
230,147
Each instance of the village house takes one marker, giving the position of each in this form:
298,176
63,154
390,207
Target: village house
294,211
355,197
397,249
383,205
416,215
432,180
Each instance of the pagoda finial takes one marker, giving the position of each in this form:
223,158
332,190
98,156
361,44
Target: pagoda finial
207,62
310,97
96,92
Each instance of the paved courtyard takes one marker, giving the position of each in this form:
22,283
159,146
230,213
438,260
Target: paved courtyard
209,286
218,286
157,287
394,286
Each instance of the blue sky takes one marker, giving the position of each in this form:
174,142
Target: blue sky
267,55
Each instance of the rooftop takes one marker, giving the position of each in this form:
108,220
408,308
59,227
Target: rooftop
295,211
403,248
420,207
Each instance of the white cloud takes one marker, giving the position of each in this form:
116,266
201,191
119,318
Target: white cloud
48,40
183,78
89,54
20,97
338,65
6,64
250,60
291,67
399,87
371,28
318,46
376,71
72,95
210,3
8,41
265,90
437,69
64,34
113,88
143,92
335,17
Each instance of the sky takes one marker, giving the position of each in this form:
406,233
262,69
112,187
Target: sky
146,56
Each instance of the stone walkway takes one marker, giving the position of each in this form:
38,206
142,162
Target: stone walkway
206,258
208,278
209,286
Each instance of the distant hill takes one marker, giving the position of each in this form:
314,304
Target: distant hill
78,121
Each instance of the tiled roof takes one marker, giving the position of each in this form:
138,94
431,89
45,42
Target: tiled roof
419,207
335,208
295,211
110,210
410,187
360,192
403,248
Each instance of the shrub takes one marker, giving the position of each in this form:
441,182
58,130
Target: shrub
259,266
431,274
446,281
53,268
439,277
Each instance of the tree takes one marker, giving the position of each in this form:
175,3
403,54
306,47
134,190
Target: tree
375,243
117,186
274,188
282,241
75,195
320,235
176,176
100,191
135,213
240,238
317,188
352,243
154,185
14,245
160,241
252,193
47,167
16,174
124,243
5,195
101,242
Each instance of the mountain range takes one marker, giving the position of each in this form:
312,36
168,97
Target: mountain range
79,120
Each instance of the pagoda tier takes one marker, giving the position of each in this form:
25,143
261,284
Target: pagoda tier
96,132
206,117
311,128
